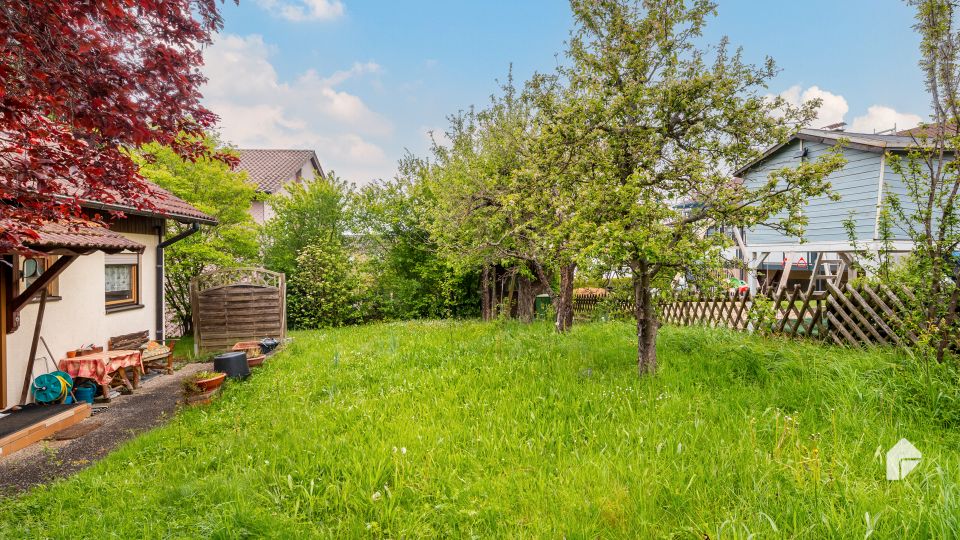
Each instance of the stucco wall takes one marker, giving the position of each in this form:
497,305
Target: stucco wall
256,210
80,316
268,212
307,172
261,210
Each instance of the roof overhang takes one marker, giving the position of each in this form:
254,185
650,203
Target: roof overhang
859,141
80,238
70,240
182,218
316,165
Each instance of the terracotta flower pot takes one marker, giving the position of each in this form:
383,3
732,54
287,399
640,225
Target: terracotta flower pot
255,361
202,398
252,348
212,383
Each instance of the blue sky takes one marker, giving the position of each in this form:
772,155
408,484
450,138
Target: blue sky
360,81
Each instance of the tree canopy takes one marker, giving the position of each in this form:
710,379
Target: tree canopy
212,187
622,158
666,122
82,81
309,213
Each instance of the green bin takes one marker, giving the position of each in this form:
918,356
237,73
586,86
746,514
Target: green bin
541,304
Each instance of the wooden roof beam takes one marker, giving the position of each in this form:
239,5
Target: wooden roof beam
20,301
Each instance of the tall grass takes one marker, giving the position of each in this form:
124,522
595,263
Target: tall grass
453,429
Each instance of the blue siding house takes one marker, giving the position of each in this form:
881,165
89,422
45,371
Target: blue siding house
861,184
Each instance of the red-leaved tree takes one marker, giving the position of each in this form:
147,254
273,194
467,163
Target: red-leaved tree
81,83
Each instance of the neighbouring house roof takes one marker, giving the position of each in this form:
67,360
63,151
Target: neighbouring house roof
594,291
270,169
81,237
166,205
929,130
860,141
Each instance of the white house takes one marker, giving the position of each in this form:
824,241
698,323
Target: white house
100,283
274,170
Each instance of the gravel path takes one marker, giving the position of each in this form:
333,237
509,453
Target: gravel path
125,417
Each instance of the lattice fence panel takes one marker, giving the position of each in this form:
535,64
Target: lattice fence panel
844,314
238,304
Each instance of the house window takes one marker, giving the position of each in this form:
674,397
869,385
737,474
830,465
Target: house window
29,269
121,279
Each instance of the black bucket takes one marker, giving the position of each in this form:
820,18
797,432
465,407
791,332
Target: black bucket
234,364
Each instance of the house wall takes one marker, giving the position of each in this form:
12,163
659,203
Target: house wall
80,316
857,184
895,186
3,334
307,173
262,211
257,211
268,211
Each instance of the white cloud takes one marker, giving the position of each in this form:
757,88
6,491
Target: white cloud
304,10
879,118
834,108
356,69
258,109
433,135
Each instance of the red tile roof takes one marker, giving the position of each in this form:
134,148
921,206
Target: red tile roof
270,169
81,237
167,205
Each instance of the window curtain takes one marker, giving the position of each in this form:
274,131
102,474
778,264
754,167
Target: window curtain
118,278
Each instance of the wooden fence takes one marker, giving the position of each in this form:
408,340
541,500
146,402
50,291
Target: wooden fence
237,305
585,305
843,314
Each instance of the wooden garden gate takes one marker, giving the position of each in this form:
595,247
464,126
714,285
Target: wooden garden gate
237,304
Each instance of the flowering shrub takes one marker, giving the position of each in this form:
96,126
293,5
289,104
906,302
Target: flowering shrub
322,290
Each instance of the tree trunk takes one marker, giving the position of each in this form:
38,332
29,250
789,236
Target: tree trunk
509,307
544,281
646,315
498,286
564,301
525,299
485,298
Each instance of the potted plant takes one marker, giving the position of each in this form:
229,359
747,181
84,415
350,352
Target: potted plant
255,355
199,388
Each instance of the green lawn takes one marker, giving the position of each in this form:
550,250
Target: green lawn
463,429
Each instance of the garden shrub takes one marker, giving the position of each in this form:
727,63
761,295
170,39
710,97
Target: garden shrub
323,289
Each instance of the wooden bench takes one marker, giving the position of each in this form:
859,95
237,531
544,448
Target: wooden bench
136,340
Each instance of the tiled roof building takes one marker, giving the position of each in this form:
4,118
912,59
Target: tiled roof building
272,170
